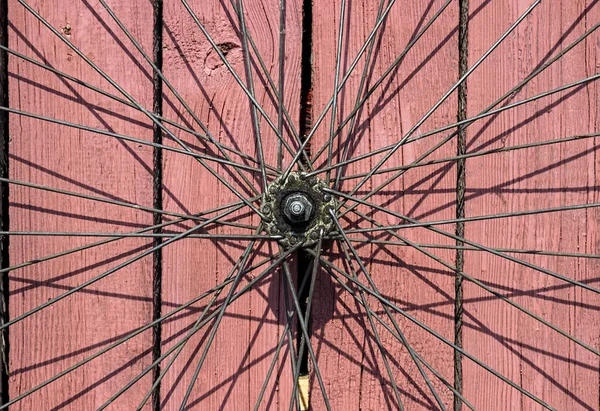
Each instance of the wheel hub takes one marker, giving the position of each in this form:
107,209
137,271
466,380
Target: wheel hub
297,209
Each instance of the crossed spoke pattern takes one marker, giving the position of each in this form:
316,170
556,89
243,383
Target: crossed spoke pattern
428,292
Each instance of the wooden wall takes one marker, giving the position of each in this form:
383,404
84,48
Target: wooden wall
533,356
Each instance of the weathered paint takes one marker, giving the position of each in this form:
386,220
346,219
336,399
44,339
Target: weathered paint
543,362
78,326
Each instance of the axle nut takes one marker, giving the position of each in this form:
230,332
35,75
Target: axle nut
297,208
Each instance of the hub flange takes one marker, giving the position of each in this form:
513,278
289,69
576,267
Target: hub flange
297,209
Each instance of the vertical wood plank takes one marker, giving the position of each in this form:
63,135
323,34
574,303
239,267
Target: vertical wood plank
241,353
349,356
61,157
524,350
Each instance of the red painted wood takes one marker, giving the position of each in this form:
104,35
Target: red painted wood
349,356
75,328
532,355
535,357
241,353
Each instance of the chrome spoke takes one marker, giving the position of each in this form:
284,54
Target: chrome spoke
237,78
361,301
122,101
402,141
473,244
438,336
387,311
334,104
133,101
113,270
177,95
341,85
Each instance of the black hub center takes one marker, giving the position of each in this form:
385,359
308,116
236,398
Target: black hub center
297,209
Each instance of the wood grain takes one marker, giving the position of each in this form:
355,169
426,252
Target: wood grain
348,354
524,350
239,358
78,326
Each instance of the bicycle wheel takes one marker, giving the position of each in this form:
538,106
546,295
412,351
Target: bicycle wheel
299,205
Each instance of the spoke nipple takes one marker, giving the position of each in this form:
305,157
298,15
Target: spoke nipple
326,219
314,235
266,209
292,240
327,197
313,181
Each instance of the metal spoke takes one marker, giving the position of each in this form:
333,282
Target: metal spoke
415,321
311,290
363,83
122,340
254,114
472,243
229,278
391,68
341,85
235,75
291,346
394,334
219,317
475,218
114,269
123,101
402,141
470,155
504,97
467,248
142,235
117,202
197,156
334,105
102,242
286,332
199,324
133,101
277,91
306,336
464,123
178,96
365,304
388,313
500,296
